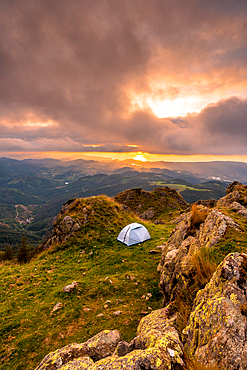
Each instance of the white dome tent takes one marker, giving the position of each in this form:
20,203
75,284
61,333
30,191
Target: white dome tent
133,234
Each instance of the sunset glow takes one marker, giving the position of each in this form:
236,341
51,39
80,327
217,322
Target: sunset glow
39,124
160,77
67,156
140,157
179,107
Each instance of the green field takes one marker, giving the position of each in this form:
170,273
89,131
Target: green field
178,187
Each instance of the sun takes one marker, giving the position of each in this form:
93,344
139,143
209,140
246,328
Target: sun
178,107
140,157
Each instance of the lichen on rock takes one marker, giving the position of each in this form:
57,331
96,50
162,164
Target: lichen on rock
217,328
98,347
156,347
175,267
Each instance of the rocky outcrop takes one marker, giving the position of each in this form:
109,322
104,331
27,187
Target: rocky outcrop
63,231
74,214
237,207
156,347
175,267
100,346
217,327
65,226
235,186
235,193
151,205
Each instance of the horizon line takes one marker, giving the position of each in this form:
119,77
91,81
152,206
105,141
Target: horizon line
138,157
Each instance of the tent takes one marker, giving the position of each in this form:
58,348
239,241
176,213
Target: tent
133,234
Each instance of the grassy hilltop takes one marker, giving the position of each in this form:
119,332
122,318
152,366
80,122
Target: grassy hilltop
112,277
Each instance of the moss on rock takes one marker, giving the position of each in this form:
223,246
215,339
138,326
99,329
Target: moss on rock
217,327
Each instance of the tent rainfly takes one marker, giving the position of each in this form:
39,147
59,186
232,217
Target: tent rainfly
133,234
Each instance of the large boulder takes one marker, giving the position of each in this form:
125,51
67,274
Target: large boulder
96,348
156,347
217,327
176,268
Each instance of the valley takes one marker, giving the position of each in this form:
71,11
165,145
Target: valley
40,187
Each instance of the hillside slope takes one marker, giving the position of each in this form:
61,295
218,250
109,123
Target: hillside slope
117,285
203,237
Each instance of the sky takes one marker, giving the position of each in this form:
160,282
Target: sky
142,79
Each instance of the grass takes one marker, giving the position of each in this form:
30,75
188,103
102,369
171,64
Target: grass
105,269
178,187
111,277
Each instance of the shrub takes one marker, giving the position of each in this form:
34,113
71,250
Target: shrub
198,216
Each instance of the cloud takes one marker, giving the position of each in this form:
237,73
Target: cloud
90,66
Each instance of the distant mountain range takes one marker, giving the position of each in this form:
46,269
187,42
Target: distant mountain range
32,191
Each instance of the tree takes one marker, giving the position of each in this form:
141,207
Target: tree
8,253
23,253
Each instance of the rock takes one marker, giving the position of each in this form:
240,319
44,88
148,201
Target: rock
217,327
236,192
87,309
157,347
63,231
100,346
79,364
117,313
65,226
161,246
175,267
154,251
234,186
122,349
148,214
149,205
228,199
159,222
209,203
237,207
69,288
57,307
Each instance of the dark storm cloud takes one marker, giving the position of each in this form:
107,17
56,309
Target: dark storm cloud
74,65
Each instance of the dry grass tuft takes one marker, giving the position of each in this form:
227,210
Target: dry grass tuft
204,265
195,365
198,215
